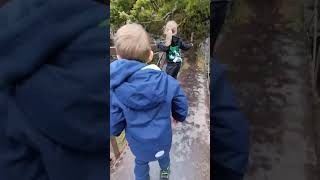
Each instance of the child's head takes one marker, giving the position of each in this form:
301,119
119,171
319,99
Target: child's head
132,42
171,26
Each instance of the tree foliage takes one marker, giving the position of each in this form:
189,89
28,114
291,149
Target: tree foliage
191,15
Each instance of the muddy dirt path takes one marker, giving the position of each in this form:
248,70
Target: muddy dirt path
190,153
267,64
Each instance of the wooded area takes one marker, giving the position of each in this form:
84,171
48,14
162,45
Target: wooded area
191,15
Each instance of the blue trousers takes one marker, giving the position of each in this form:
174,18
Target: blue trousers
141,170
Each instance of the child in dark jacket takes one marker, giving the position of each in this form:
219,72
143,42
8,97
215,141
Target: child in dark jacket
172,47
230,130
143,98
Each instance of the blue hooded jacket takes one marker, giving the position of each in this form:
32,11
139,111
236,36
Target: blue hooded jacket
230,137
142,102
53,100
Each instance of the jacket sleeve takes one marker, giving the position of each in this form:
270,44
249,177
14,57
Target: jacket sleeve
162,47
54,119
230,127
184,45
180,105
117,120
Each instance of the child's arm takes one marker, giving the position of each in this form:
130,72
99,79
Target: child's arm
165,46
168,38
162,47
230,128
185,46
117,120
180,106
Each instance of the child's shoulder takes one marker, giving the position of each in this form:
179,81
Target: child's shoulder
151,66
176,37
125,62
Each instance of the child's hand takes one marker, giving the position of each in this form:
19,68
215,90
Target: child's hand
174,122
168,32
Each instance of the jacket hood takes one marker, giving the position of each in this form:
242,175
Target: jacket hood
53,89
137,85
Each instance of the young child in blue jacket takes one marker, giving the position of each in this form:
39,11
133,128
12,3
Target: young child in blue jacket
143,99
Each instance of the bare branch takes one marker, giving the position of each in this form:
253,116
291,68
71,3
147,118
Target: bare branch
164,18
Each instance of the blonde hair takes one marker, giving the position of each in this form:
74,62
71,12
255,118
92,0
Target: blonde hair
132,42
171,28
